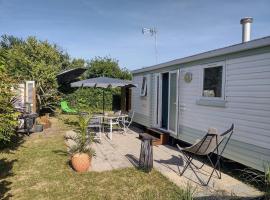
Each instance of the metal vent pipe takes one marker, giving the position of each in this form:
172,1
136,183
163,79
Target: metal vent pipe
246,28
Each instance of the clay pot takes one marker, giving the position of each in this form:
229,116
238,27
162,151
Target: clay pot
81,162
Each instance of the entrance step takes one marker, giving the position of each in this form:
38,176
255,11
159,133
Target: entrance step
162,136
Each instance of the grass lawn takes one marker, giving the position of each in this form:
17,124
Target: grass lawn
38,169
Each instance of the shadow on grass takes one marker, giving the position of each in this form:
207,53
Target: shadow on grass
15,142
70,120
5,172
64,153
60,152
6,165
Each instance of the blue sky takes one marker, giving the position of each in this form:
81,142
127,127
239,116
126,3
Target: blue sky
86,28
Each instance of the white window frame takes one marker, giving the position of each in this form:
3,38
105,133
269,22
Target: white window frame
211,65
157,99
176,102
143,91
27,93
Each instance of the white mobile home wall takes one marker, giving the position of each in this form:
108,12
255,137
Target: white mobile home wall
247,104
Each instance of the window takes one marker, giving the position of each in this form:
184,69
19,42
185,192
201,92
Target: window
212,82
144,87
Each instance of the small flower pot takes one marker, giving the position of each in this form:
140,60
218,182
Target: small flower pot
81,162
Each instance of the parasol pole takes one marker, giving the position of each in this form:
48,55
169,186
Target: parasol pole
103,100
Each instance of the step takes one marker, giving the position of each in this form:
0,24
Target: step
163,137
155,140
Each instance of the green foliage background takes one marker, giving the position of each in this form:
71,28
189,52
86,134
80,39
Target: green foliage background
36,60
92,98
41,61
8,116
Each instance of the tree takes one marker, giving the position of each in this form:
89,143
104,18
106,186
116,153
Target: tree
36,60
92,98
106,67
8,116
76,63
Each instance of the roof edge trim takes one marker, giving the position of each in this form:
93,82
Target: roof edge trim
257,43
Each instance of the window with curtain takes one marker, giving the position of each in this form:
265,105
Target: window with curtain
212,82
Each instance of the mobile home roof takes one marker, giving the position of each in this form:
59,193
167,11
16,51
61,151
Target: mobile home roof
217,52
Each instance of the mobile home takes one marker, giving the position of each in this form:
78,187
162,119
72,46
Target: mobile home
184,97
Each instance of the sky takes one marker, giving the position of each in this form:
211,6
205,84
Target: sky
88,28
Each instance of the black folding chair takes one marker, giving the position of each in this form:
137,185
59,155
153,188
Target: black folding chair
210,144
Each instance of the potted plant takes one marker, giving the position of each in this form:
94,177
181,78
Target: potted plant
79,146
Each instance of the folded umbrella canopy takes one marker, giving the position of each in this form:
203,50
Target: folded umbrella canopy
68,76
104,82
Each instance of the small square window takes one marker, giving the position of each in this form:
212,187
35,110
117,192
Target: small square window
144,87
212,82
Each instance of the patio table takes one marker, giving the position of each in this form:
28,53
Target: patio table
110,118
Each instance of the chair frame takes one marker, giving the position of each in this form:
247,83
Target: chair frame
98,125
115,121
189,156
129,122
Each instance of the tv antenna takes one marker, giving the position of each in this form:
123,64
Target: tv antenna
152,32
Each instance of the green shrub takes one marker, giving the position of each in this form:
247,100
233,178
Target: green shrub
91,99
8,116
32,59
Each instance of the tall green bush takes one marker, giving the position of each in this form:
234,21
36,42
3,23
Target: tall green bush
8,116
91,99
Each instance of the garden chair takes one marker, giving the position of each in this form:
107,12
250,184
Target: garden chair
65,108
115,121
95,125
207,146
128,121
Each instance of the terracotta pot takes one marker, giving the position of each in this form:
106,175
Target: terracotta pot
81,162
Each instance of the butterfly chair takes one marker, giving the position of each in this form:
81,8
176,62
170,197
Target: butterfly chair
94,127
211,143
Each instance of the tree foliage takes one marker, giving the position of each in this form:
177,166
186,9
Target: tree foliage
76,63
92,98
108,67
41,61
8,115
36,60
